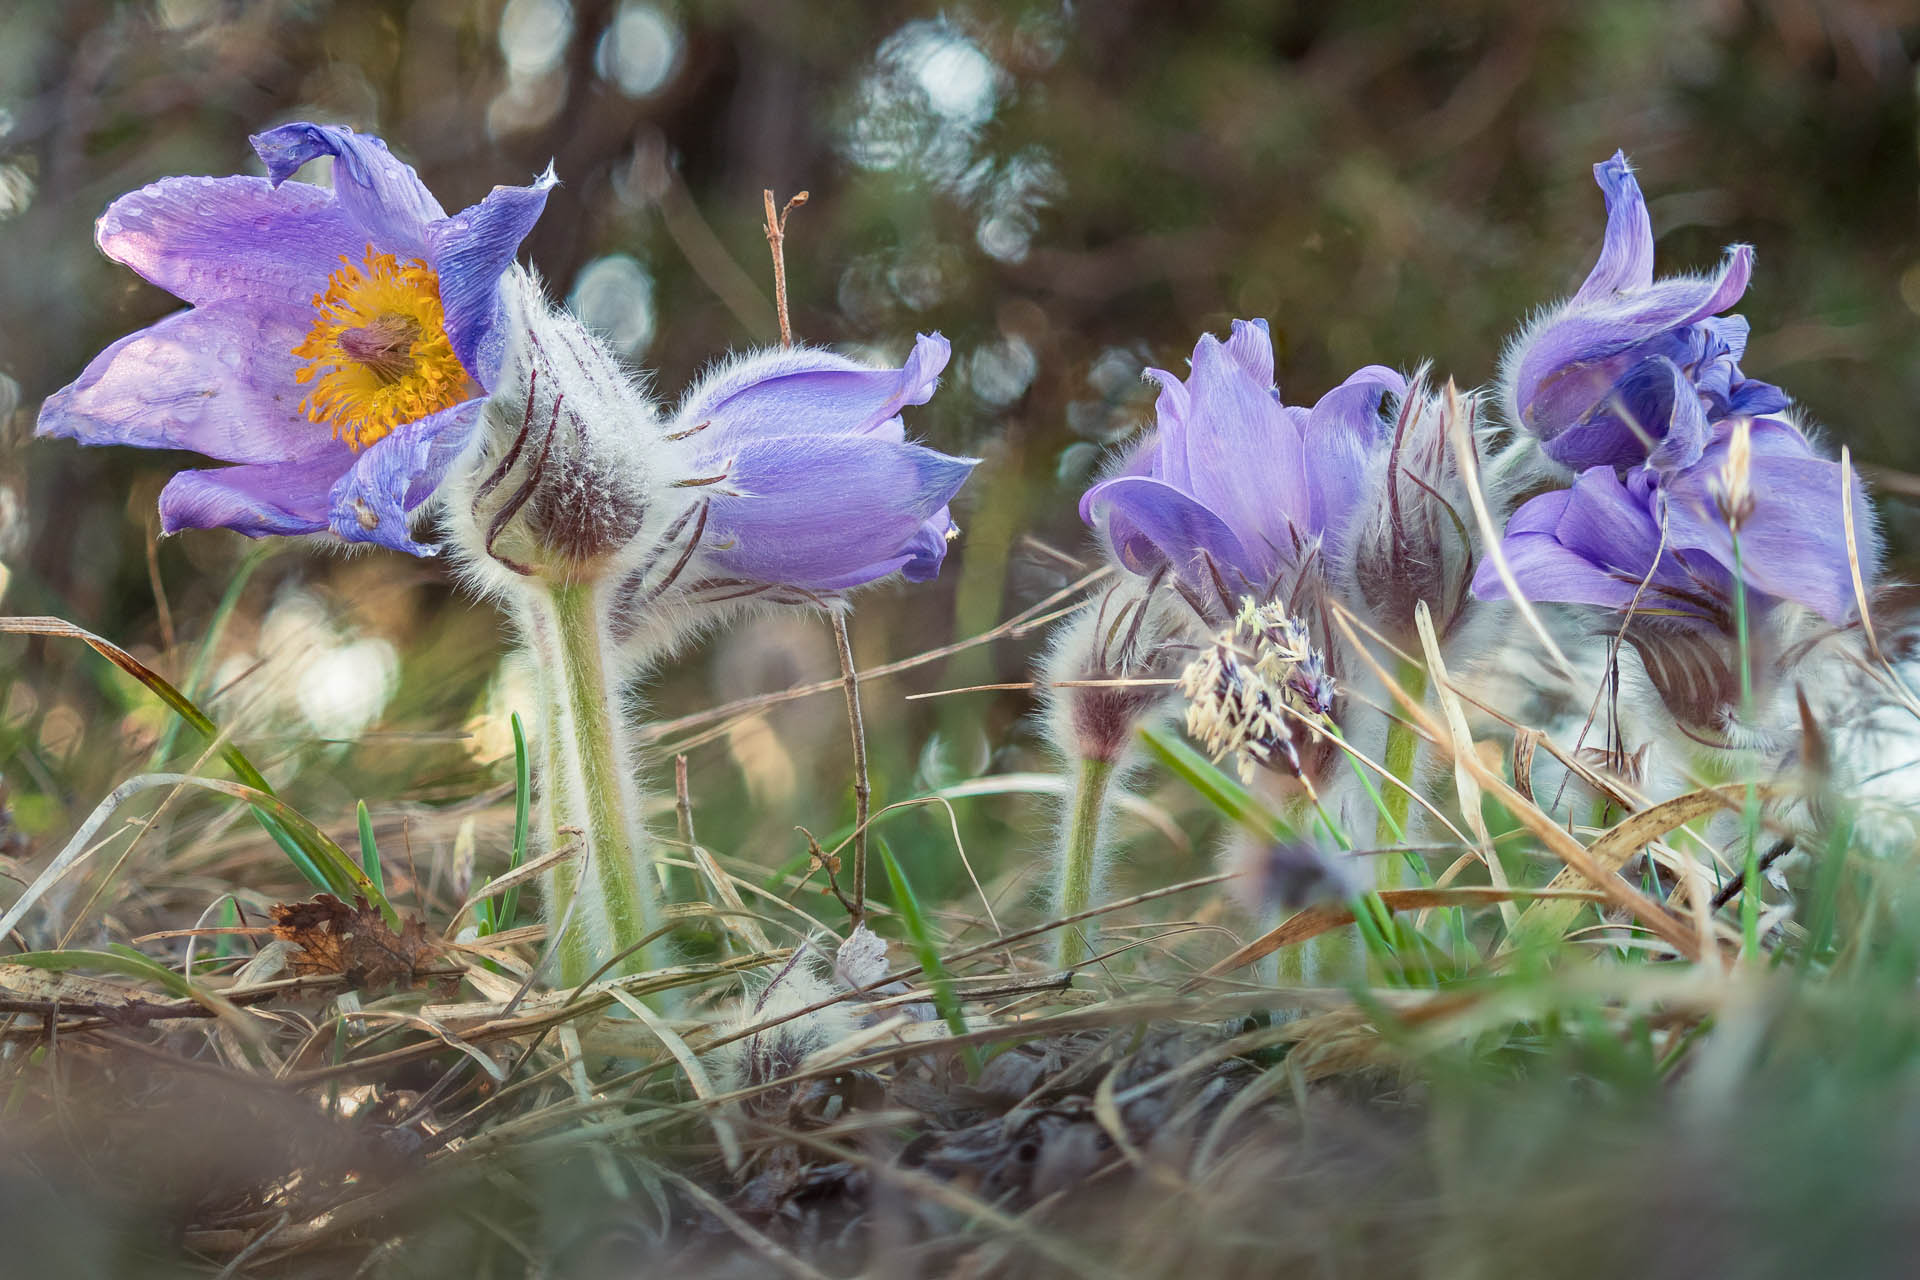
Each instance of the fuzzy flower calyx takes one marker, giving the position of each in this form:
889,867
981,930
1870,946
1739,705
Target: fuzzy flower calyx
339,345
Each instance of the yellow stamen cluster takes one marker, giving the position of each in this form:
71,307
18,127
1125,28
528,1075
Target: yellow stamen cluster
378,354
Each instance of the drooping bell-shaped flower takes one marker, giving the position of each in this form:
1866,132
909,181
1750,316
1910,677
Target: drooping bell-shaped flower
1590,378
339,345
1235,489
810,483
785,474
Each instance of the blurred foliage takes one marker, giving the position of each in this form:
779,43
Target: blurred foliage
1066,191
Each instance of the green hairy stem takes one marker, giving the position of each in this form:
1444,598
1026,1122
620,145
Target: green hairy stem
1078,860
1403,746
589,796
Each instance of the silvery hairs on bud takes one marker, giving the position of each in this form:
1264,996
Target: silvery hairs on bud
1133,630
1413,541
565,479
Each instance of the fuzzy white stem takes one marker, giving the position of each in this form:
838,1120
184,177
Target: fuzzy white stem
590,787
1078,867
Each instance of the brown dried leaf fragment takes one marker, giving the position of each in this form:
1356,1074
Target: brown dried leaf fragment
355,942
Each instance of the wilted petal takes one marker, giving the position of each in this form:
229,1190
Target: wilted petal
381,194
1251,347
1626,255
471,251
827,512
376,498
1244,458
257,499
209,239
802,391
1151,523
216,380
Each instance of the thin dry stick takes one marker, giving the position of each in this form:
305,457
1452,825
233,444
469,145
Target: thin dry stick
862,789
849,678
777,243
683,800
1030,619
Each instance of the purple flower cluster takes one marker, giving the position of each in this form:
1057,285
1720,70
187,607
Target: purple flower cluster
1636,383
1235,490
342,345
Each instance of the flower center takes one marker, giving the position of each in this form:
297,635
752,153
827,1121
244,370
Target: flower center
378,354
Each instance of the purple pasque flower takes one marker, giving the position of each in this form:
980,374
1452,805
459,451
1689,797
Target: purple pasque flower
1589,378
1235,488
1596,542
337,350
799,460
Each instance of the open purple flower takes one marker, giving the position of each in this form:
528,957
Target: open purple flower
1235,487
809,480
1590,379
338,348
1594,543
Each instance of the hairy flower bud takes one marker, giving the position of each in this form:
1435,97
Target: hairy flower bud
1411,543
1109,667
569,471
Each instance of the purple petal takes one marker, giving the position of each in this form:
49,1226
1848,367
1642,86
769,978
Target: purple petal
1251,347
1793,545
826,512
471,251
926,551
383,196
257,499
1591,544
1244,456
391,478
1341,433
210,239
1626,255
1683,428
1150,523
1171,409
805,391
217,380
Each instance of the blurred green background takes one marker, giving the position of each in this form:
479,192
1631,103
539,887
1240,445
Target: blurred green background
1067,191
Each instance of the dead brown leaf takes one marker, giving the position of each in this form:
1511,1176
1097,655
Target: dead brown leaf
355,942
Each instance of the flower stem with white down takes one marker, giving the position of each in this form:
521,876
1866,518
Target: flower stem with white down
591,788
1078,863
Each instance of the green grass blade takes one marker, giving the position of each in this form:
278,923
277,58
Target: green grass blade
926,952
509,908
210,643
369,851
316,844
1223,791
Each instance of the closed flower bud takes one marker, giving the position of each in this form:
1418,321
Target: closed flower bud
1411,542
